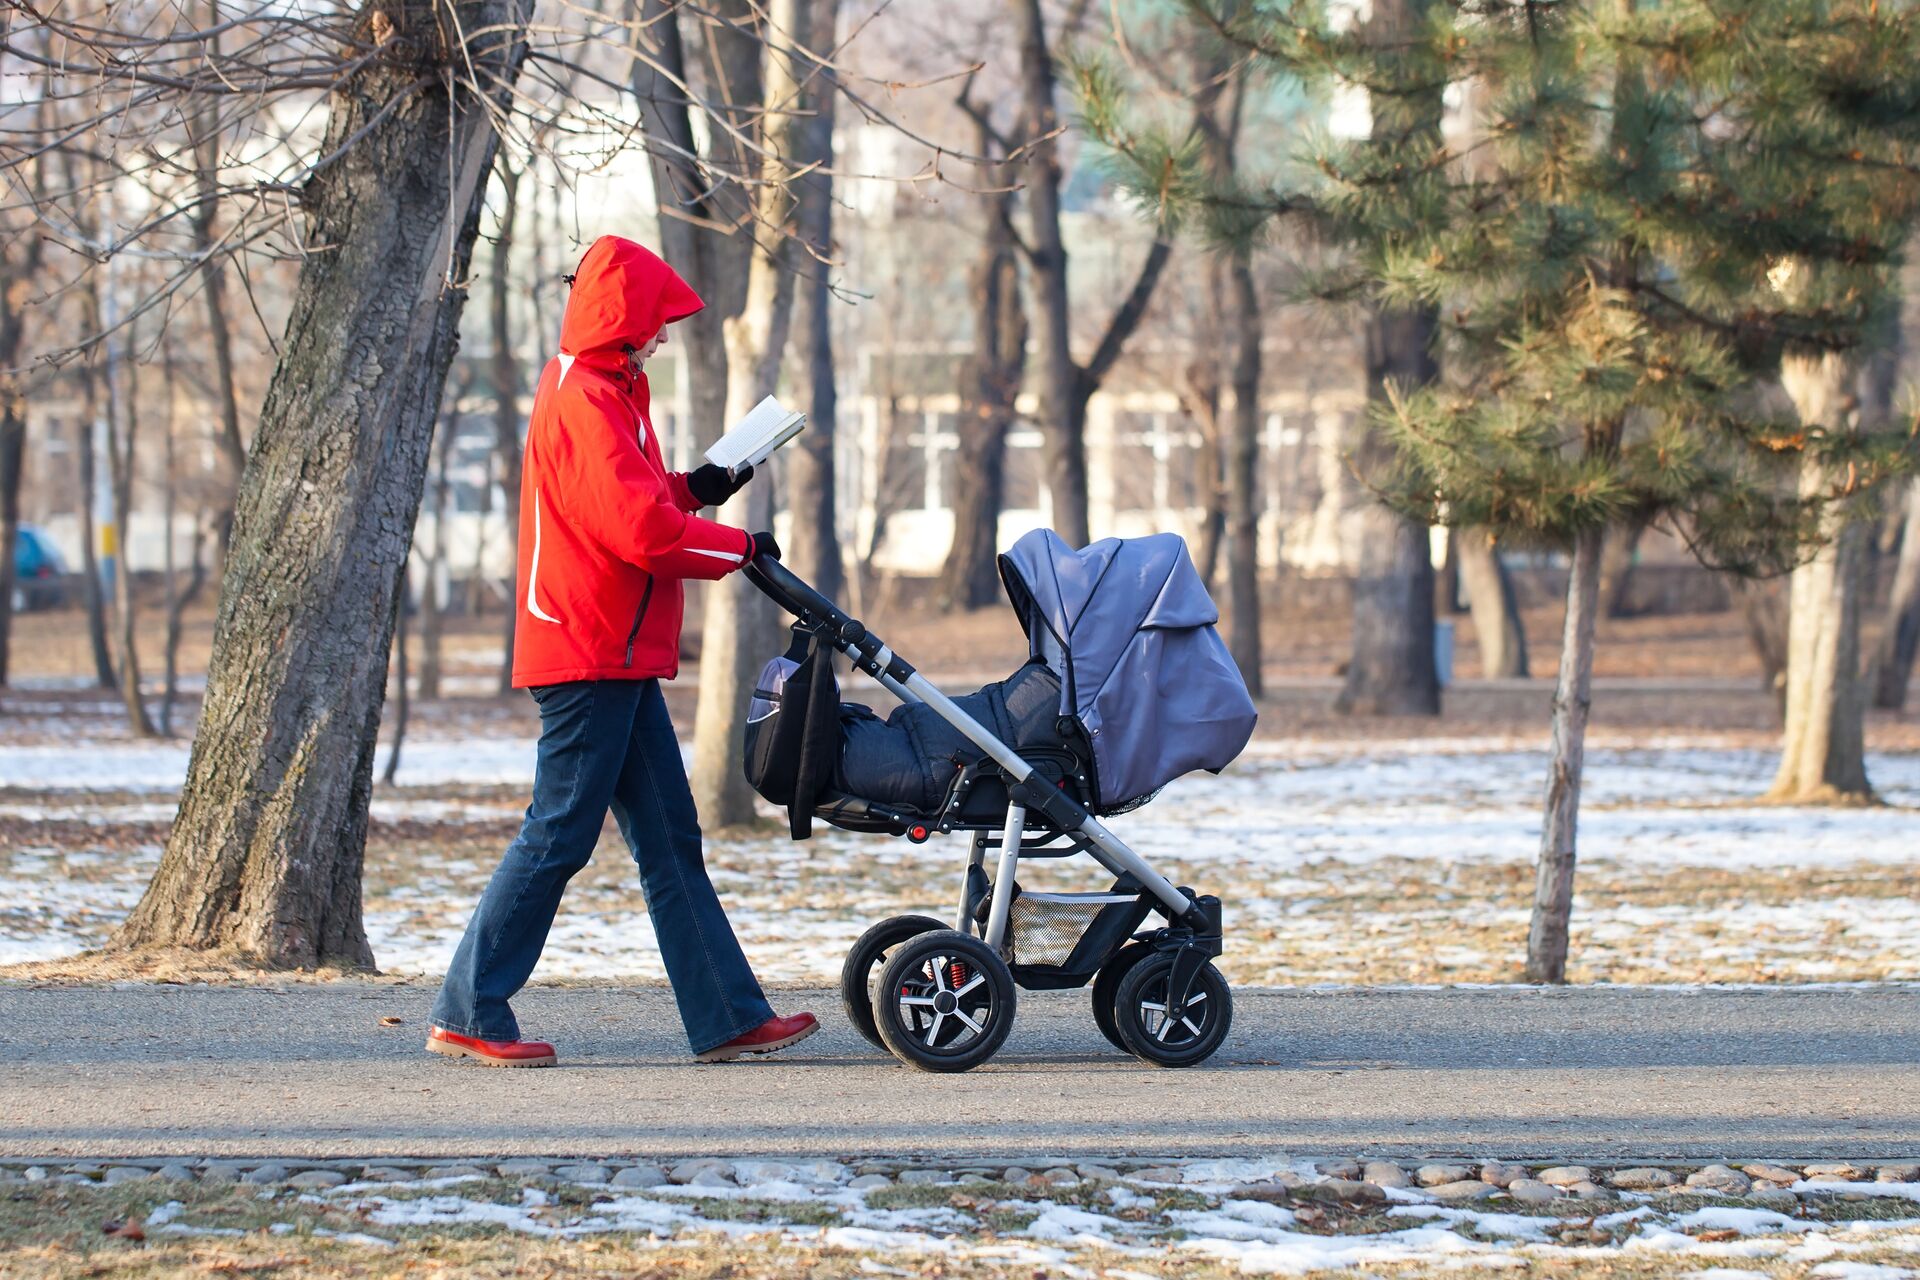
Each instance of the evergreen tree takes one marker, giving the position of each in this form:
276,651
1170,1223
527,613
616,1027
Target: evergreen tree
1676,205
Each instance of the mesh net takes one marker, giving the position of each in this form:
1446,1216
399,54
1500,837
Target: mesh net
1045,928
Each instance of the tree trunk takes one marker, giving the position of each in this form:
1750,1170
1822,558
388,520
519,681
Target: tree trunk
810,468
178,600
1392,668
402,700
989,386
16,278
1243,476
1391,671
121,453
1064,447
1496,612
431,605
1617,558
1823,758
741,625
266,852
13,442
504,366
1900,636
92,590
1572,700
207,141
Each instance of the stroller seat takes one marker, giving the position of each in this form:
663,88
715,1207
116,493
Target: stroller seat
909,760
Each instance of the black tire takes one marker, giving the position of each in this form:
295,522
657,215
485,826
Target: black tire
1106,986
863,965
917,982
1194,1038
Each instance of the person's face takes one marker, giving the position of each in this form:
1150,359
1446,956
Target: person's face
654,343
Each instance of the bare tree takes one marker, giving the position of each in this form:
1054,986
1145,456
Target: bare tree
123,433
178,599
432,606
1065,384
265,855
740,625
1900,635
402,697
989,385
504,369
810,469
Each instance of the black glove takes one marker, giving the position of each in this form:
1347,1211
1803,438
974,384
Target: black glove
764,545
713,486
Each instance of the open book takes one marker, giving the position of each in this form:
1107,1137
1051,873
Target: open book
767,426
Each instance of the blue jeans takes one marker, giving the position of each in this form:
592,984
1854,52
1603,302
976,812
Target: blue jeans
604,743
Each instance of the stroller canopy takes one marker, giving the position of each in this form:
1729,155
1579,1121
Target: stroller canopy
1129,627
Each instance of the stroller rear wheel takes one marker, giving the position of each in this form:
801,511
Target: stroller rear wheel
864,962
945,1002
1140,1013
1106,986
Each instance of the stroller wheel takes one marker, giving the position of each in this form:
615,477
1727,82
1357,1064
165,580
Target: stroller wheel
1140,1013
945,1002
1106,986
864,962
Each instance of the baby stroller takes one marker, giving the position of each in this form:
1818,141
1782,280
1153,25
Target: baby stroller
1127,686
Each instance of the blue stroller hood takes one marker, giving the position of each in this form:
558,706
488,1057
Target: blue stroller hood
1129,626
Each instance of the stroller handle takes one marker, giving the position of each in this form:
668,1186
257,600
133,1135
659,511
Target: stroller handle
788,590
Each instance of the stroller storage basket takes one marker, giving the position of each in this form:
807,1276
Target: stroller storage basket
1068,936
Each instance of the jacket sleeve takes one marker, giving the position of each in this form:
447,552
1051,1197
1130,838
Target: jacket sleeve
622,501
682,496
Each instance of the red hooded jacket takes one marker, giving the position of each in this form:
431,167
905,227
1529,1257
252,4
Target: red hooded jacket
606,531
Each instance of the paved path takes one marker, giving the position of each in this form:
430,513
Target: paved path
1606,1075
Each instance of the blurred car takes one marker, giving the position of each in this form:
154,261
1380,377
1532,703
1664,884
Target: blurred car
40,576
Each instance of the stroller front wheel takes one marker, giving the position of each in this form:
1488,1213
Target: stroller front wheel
945,1002
1151,1033
866,959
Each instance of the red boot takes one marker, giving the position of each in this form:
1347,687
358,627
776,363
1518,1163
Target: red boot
774,1033
494,1053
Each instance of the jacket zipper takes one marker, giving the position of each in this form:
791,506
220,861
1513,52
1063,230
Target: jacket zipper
639,616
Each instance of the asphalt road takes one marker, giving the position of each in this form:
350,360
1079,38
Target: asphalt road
1589,1074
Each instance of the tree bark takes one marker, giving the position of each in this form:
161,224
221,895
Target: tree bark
85,477
504,368
1064,445
1617,559
1572,700
432,606
402,700
265,855
1496,612
1900,636
810,468
13,439
121,454
1392,670
989,387
1243,476
1823,757
741,625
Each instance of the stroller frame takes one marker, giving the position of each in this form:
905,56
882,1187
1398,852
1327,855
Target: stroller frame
1193,932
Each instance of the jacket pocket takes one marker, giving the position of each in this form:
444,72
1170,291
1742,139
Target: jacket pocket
639,616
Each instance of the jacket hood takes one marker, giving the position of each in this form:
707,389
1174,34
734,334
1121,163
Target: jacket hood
622,293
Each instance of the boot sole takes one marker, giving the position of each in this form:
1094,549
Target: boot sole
486,1059
726,1053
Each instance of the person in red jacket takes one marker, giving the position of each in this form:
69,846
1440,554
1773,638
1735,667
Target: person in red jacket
607,534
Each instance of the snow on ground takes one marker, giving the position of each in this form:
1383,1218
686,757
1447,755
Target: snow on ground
1383,862
1275,1216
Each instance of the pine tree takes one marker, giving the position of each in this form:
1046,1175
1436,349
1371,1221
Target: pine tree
1675,206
